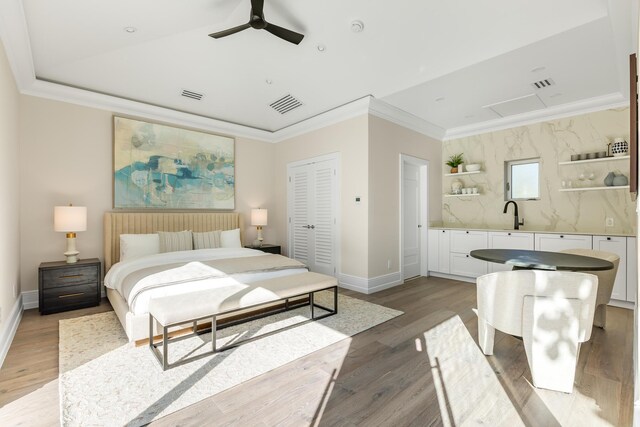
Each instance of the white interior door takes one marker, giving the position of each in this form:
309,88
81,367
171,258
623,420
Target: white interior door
411,220
312,205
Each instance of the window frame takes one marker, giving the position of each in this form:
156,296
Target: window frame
508,179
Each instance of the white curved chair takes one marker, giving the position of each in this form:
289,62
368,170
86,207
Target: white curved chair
551,310
606,280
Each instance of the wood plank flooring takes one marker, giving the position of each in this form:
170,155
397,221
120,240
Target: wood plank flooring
422,368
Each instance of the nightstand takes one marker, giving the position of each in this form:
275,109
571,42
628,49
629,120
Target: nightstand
65,286
272,249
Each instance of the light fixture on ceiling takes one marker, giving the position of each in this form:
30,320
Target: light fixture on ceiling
538,69
357,26
440,99
321,48
130,29
268,81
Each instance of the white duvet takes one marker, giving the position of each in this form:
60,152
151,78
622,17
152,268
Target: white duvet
140,304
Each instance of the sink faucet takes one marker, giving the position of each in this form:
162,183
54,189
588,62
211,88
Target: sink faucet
516,221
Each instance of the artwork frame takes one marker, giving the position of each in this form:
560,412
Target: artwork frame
157,166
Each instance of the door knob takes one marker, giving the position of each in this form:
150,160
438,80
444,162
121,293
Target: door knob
312,227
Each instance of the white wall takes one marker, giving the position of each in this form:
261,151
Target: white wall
9,191
386,142
349,138
66,157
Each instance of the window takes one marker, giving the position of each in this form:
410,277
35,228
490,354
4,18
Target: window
522,179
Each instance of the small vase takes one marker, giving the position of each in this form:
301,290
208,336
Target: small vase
620,180
608,180
454,170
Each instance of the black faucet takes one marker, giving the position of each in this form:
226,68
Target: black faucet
516,221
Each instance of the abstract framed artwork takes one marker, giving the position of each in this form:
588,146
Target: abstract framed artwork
157,166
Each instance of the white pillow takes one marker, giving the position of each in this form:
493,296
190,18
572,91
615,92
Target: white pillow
138,245
230,239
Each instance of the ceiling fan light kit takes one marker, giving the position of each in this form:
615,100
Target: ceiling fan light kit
257,22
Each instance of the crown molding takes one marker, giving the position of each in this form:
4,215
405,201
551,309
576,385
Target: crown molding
605,102
333,116
400,117
59,92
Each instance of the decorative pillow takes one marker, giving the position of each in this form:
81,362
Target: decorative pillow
138,245
230,239
208,240
175,241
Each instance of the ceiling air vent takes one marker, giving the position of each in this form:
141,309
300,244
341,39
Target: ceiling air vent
285,104
193,95
543,83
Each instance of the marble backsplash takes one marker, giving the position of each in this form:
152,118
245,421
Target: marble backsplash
554,141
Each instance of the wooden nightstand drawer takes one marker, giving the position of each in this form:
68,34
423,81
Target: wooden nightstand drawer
65,286
63,297
69,276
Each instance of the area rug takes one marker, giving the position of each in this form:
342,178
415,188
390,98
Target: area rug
104,380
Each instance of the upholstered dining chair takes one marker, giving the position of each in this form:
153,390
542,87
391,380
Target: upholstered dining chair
606,280
551,310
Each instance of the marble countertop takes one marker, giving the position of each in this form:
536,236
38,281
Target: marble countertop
530,230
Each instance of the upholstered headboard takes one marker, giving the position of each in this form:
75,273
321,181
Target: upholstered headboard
117,223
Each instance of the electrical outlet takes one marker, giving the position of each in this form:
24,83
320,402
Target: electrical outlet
608,222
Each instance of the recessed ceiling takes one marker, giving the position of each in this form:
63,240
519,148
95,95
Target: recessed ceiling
409,53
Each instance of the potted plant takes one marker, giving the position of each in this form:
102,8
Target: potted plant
454,161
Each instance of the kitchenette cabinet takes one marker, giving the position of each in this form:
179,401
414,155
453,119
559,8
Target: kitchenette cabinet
618,246
560,242
449,253
508,240
461,243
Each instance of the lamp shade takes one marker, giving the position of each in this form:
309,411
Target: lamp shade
69,219
258,217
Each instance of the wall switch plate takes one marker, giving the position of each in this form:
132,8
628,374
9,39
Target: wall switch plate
608,222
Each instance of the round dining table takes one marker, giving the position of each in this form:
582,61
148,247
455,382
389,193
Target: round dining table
540,260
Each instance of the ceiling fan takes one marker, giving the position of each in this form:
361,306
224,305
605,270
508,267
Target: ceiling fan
257,22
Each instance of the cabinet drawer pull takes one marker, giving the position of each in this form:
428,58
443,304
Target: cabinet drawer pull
467,256
562,237
508,234
71,295
608,238
71,276
443,231
467,232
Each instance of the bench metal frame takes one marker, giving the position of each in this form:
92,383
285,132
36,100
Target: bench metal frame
163,356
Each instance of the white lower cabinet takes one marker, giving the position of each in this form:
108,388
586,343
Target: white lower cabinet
632,269
508,240
461,244
618,246
559,242
438,250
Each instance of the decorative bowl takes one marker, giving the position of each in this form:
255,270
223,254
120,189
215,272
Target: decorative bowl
473,167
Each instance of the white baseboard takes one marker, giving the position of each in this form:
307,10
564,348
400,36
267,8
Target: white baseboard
9,328
30,300
453,277
370,285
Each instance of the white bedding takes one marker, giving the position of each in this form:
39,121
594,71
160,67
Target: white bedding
139,305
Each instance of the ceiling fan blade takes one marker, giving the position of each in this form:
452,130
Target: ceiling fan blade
230,31
283,33
256,7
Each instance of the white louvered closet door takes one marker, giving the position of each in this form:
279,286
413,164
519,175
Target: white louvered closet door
312,215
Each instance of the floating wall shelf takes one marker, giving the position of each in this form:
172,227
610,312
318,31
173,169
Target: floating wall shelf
461,195
618,187
462,173
602,159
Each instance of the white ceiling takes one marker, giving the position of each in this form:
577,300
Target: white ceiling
410,54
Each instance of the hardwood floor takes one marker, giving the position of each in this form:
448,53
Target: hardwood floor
421,368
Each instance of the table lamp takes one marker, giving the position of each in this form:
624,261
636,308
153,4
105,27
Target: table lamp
259,219
70,219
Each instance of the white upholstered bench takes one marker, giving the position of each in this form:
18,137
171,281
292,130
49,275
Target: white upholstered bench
192,307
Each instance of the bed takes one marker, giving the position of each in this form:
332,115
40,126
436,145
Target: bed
181,271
